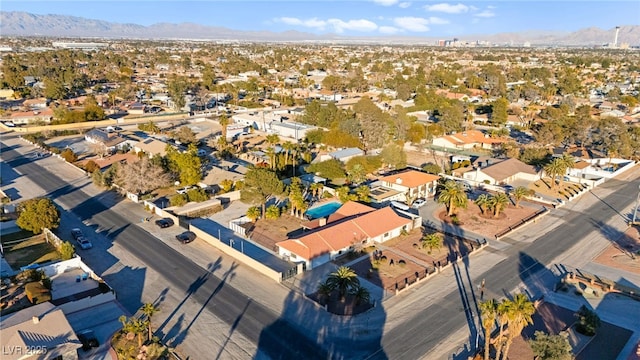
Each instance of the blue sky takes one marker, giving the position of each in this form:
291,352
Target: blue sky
361,18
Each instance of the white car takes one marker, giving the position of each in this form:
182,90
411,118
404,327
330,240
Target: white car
419,203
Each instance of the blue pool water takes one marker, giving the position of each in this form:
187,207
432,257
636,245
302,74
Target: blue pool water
323,210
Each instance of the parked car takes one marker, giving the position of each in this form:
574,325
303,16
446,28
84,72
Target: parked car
186,237
164,223
88,339
185,189
84,243
419,203
400,205
76,233
508,188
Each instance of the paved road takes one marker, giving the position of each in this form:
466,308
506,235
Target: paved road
256,322
438,320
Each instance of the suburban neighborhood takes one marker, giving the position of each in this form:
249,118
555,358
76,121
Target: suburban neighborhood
187,199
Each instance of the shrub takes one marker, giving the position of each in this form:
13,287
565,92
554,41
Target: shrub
197,195
37,293
455,165
178,200
402,263
588,321
91,166
69,156
66,250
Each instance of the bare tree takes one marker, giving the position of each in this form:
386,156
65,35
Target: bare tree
99,149
141,177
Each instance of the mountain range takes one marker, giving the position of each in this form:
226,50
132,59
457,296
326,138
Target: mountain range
26,24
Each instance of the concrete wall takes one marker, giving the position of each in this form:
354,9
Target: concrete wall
62,266
215,242
229,197
85,303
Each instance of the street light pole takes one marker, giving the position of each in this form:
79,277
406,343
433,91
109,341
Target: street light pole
635,211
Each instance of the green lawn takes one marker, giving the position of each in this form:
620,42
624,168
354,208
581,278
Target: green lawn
31,251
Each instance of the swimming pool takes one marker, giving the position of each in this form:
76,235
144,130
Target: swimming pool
323,210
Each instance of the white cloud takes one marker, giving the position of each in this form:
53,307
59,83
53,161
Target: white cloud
447,8
437,21
485,14
386,2
491,7
389,30
410,23
310,23
356,25
404,5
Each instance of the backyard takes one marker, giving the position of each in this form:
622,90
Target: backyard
27,251
268,232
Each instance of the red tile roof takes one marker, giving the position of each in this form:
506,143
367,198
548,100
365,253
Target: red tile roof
411,178
345,233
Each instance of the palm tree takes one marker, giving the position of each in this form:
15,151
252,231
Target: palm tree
253,213
224,122
489,313
363,193
482,201
316,189
287,147
520,313
149,309
431,241
519,193
343,279
568,162
271,153
553,169
361,294
273,139
324,292
499,202
452,196
503,318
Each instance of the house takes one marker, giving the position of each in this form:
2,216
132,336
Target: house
412,183
136,108
38,332
352,225
468,140
35,104
290,129
152,147
343,155
503,172
111,141
33,116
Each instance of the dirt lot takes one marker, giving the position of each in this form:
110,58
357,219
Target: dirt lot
473,220
392,269
543,187
419,159
410,245
30,251
618,254
268,232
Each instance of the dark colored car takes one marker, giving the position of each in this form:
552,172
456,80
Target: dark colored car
88,339
186,237
76,233
164,223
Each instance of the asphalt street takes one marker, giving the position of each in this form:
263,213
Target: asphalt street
438,320
254,321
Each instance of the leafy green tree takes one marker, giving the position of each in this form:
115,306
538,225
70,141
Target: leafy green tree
66,250
260,185
499,111
273,212
177,87
179,200
431,241
432,168
343,279
451,116
374,123
185,135
453,196
187,165
588,321
54,88
393,155
551,347
37,214
416,133
149,127
91,166
330,169
197,195
226,185
253,213
344,194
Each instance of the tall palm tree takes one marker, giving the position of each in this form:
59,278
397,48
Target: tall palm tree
489,313
361,294
271,153
504,310
452,195
363,192
316,189
273,139
287,146
343,279
520,313
224,122
482,201
519,193
568,162
553,169
149,309
500,201
431,241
